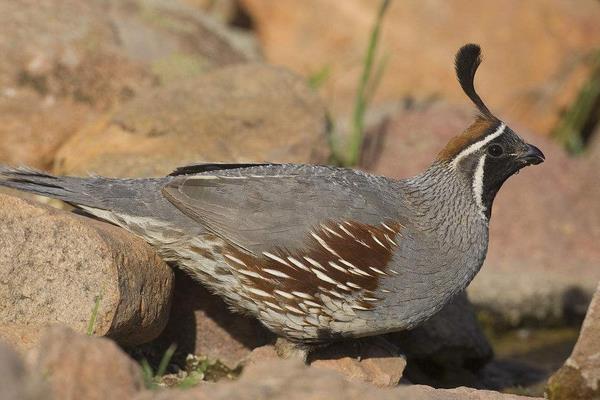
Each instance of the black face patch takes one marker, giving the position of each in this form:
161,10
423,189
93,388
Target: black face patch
490,166
501,162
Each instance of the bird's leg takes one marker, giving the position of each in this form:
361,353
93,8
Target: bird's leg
290,350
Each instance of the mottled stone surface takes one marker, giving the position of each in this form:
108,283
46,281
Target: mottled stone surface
54,265
66,62
244,113
373,361
77,366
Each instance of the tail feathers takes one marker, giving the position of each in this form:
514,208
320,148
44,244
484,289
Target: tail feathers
69,189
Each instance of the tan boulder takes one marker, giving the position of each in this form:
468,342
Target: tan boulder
101,52
243,113
16,383
56,264
77,366
22,337
262,354
422,392
33,128
535,51
378,362
65,61
290,380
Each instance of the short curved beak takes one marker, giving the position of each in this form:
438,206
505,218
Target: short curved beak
532,155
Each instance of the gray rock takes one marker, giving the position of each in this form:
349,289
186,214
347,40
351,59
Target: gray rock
54,264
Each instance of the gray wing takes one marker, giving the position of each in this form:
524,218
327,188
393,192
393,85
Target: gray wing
263,207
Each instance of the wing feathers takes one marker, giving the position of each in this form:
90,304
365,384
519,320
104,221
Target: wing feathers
208,167
262,208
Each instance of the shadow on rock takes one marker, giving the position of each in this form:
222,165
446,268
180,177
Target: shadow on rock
201,323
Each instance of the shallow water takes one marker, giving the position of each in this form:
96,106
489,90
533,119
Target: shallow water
529,357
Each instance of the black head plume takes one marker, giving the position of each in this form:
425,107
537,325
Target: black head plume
466,63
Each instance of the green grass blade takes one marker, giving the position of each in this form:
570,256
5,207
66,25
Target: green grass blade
148,375
318,78
92,321
165,360
360,105
376,79
570,130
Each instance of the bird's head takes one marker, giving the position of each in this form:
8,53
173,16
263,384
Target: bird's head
488,152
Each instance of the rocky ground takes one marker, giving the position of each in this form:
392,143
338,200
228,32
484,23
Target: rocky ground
136,88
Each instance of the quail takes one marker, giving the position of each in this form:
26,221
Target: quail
318,253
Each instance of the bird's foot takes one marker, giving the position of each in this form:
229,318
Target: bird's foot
290,350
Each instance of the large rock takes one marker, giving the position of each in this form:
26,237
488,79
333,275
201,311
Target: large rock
380,364
76,58
243,113
542,262
201,323
33,128
54,265
531,81
101,52
15,381
80,367
22,337
579,378
288,380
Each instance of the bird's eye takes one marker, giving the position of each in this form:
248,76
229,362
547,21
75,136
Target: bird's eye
495,150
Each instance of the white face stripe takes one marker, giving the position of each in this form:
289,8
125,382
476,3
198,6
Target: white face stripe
478,186
478,145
